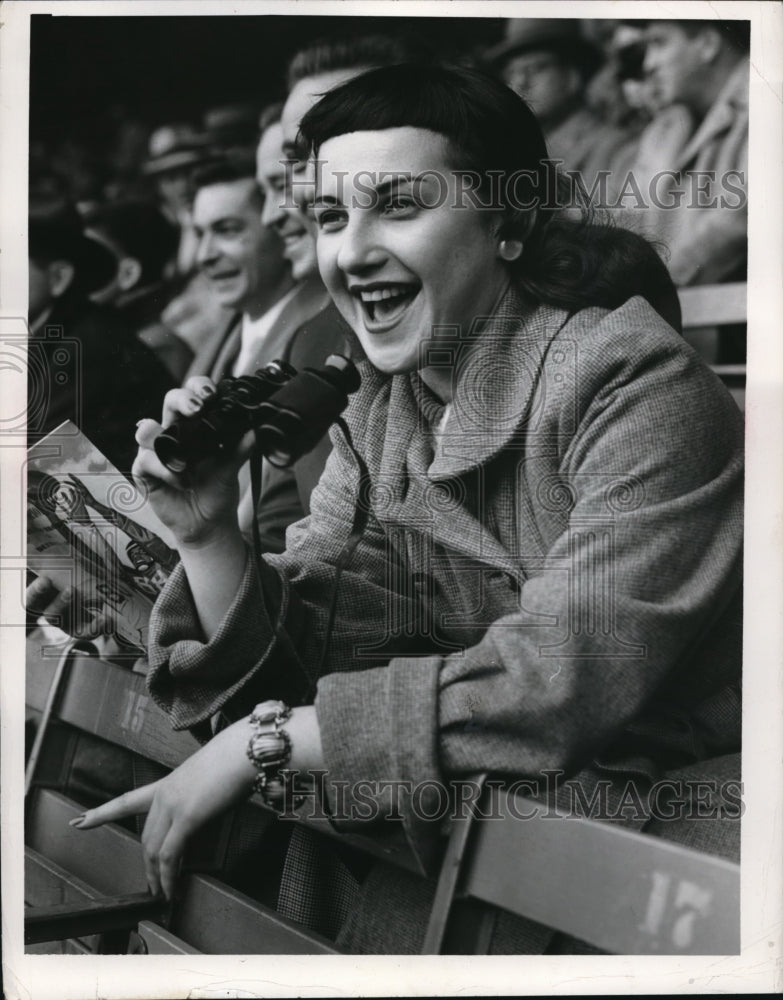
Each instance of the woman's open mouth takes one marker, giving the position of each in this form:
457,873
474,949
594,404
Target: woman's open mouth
384,304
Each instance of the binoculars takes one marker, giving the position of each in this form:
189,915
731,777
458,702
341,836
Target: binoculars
290,412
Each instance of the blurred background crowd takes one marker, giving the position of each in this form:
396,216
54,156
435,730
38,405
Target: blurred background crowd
130,117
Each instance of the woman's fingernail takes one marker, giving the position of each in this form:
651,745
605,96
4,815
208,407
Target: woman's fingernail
206,390
194,404
77,820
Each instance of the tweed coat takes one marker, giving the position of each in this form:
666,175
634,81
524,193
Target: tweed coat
555,584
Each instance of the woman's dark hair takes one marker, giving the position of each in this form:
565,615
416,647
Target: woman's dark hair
569,260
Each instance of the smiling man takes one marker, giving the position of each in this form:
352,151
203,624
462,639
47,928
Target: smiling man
242,260
243,263
280,212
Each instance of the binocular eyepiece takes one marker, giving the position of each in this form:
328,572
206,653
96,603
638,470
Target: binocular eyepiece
289,411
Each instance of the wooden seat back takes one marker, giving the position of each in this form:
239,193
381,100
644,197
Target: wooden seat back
618,890
621,891
705,310
74,693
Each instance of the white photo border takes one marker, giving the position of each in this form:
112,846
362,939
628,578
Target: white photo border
758,968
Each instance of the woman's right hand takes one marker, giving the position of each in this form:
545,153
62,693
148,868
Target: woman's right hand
217,777
200,504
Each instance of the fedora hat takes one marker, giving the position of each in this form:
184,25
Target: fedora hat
232,125
56,232
173,147
561,35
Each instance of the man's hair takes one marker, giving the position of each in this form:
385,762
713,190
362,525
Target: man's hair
227,170
736,34
361,52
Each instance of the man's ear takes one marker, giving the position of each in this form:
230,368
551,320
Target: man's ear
60,274
709,44
128,273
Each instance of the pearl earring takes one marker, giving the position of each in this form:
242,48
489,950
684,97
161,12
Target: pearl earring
510,249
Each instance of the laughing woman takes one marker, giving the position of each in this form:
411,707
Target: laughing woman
550,573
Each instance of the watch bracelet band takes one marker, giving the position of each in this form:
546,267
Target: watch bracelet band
269,750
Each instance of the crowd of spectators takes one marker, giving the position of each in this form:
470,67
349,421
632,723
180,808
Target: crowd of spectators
652,117
178,253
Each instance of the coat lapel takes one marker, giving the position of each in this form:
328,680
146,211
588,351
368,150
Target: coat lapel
496,372
498,369
206,360
228,350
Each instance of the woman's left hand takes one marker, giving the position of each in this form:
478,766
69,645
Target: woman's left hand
215,778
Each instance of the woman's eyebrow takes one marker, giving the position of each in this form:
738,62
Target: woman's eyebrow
395,179
391,182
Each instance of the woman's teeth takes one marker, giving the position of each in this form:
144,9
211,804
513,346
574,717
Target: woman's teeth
382,303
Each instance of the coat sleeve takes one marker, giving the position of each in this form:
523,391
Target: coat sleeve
630,586
270,643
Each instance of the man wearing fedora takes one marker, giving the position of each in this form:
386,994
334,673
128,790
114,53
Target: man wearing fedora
548,62
142,242
175,151
85,364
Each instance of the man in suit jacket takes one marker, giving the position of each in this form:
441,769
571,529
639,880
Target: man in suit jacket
242,260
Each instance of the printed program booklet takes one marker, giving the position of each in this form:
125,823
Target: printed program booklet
92,530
